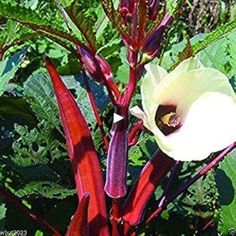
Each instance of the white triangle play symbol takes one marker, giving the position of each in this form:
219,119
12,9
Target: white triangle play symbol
117,118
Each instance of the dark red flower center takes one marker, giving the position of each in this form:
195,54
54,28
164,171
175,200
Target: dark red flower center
167,119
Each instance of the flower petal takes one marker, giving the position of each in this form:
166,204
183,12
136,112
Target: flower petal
185,87
150,81
154,74
156,80
136,111
208,127
189,64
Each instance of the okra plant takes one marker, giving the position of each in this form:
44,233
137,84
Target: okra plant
189,110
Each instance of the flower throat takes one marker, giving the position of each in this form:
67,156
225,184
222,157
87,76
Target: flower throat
167,119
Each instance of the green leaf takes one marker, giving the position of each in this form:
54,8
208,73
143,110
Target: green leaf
110,49
140,153
31,4
226,183
33,146
123,70
39,93
201,197
172,5
198,43
81,20
221,55
39,233
214,36
170,57
72,67
81,97
8,68
14,34
2,211
102,22
45,189
36,156
12,110
52,25
16,107
66,3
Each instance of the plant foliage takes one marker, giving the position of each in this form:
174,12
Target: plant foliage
225,177
34,163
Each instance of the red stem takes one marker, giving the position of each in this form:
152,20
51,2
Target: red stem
185,186
170,179
135,132
1,53
64,12
111,86
115,217
17,202
107,80
95,110
126,99
210,223
123,105
134,141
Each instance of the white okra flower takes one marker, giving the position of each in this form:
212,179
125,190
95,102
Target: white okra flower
191,111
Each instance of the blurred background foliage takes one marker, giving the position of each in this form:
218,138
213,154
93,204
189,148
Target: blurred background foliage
33,160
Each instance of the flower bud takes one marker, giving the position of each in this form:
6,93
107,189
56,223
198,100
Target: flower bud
152,44
97,67
88,60
105,67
